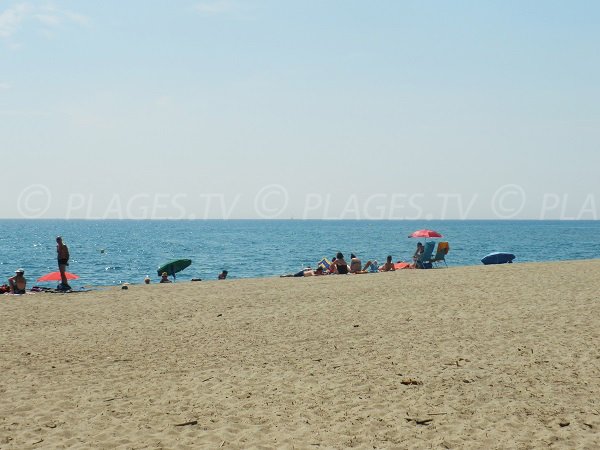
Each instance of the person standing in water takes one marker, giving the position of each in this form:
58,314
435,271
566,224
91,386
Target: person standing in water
62,252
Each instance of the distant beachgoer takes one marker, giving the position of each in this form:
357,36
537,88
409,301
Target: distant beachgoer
341,266
62,252
332,265
355,264
418,252
306,272
297,274
18,283
223,275
147,279
388,266
165,278
372,266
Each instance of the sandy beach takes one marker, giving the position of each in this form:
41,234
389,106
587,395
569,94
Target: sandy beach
467,357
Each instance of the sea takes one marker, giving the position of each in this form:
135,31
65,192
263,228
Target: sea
111,252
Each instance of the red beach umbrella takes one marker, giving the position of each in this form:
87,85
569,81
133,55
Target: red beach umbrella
425,234
55,276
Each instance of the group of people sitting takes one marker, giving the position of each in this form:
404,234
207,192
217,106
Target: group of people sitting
339,266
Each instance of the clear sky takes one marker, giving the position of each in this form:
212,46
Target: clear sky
306,109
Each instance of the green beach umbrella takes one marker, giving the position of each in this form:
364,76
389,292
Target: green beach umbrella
173,267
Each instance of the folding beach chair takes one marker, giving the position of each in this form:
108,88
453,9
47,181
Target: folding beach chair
440,254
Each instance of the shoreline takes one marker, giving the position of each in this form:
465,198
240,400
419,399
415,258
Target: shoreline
268,277
465,357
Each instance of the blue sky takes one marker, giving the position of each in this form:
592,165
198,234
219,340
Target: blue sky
312,109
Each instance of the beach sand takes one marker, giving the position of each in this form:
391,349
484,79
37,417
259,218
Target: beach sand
468,357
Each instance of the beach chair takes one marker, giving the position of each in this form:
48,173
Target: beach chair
424,260
440,254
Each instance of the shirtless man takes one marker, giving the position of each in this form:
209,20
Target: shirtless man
308,272
18,283
388,266
62,252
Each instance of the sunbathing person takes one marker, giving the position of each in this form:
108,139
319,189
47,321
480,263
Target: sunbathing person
341,266
355,264
388,266
371,266
18,283
332,266
314,273
418,252
306,272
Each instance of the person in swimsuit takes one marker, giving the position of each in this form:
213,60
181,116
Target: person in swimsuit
223,275
372,266
18,283
306,272
420,249
388,266
341,266
164,278
332,266
355,264
62,252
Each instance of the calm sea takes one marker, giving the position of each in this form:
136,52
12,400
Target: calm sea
111,252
